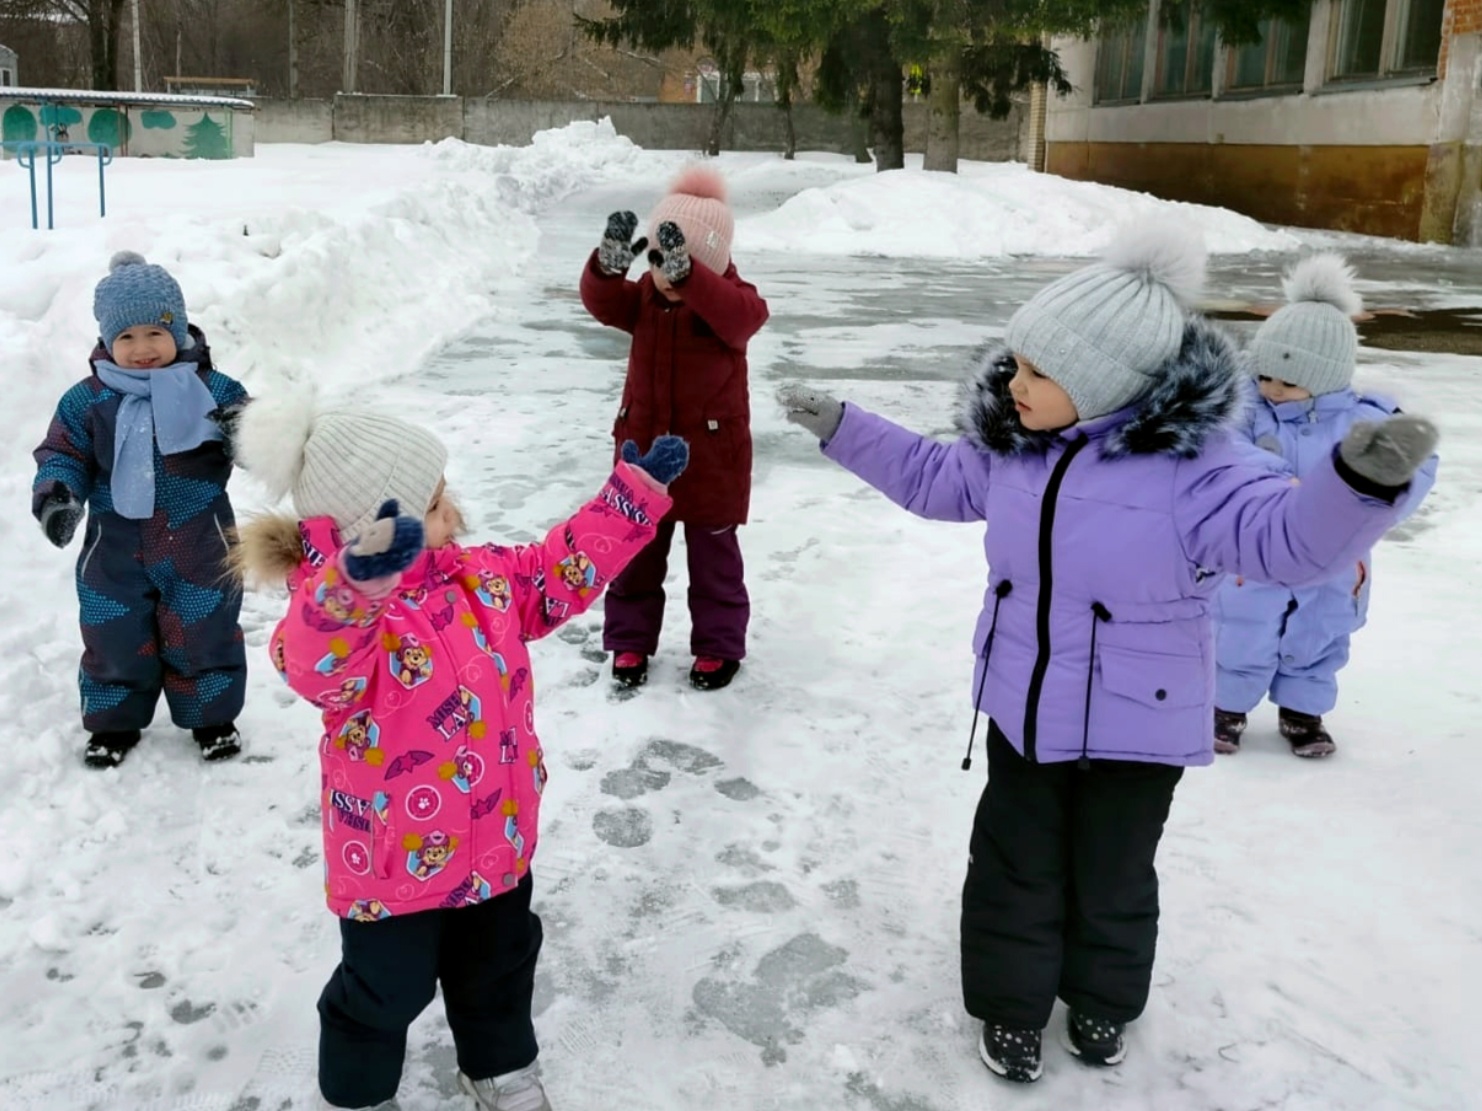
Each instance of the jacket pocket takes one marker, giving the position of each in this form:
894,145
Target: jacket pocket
1155,680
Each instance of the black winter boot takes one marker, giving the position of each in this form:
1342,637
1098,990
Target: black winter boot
1011,1054
218,742
1306,735
1096,1041
1228,726
107,750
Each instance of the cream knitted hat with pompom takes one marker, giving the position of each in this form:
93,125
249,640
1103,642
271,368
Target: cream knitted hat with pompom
339,463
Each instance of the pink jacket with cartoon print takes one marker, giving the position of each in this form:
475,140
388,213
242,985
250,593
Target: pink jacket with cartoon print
431,769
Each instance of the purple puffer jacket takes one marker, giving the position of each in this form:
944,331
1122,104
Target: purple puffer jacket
1106,543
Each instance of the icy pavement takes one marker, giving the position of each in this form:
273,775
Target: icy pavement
750,897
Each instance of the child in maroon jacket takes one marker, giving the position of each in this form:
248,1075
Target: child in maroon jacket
690,317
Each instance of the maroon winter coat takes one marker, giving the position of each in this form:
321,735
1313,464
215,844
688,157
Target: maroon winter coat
687,376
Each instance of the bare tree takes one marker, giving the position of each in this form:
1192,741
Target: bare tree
545,54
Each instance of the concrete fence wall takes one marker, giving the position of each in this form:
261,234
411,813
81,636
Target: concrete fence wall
753,127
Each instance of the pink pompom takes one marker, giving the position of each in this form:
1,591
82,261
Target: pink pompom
700,181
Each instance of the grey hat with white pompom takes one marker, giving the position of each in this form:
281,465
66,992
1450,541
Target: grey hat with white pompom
1102,332
1312,341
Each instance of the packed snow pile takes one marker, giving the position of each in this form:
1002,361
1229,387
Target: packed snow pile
986,210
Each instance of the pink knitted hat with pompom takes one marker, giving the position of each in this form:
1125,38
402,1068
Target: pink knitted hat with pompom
697,203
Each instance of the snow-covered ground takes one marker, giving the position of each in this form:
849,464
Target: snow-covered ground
750,897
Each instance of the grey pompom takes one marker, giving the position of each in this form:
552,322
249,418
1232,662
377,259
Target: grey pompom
1326,279
125,258
1163,251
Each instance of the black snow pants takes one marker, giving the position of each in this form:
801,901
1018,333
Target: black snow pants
1061,897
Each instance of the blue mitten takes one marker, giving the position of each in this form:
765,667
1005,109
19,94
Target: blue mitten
665,461
388,547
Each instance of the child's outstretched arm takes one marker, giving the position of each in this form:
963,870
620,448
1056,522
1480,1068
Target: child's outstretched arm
941,482
334,617
605,289
1236,518
560,577
65,468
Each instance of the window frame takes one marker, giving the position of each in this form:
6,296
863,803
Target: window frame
1229,90
1396,13
1194,32
1133,37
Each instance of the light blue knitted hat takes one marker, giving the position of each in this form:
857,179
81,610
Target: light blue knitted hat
1102,332
135,293
1312,341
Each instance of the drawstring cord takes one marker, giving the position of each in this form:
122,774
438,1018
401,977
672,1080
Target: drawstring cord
1000,592
1099,614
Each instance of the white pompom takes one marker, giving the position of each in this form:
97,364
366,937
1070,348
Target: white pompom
125,258
1163,251
1326,278
272,434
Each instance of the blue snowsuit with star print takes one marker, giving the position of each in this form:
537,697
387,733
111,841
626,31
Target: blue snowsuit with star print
159,613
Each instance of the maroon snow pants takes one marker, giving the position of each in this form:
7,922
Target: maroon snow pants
719,605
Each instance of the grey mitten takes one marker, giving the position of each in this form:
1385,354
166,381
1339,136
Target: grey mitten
820,413
60,515
616,252
673,260
1389,452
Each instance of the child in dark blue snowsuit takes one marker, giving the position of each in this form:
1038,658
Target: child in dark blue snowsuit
140,444
1290,643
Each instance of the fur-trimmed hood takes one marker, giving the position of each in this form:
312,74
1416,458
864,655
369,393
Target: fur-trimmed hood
1199,390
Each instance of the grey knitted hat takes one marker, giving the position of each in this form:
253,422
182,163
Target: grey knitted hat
1312,341
339,463
1102,332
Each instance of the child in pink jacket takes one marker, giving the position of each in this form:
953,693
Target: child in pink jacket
413,647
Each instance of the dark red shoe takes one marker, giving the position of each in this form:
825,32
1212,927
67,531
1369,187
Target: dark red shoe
630,669
712,674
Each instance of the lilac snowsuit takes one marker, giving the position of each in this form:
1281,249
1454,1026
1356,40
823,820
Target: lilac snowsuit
1291,642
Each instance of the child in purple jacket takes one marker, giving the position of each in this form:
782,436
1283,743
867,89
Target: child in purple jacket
1098,447
1291,642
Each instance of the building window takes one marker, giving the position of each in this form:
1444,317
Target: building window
1278,61
1373,39
5,78
1119,59
1186,47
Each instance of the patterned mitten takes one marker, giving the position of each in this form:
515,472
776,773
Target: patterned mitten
1389,452
60,515
388,547
673,260
665,461
616,252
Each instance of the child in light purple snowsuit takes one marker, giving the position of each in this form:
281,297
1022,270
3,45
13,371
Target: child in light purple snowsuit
1291,642
1097,447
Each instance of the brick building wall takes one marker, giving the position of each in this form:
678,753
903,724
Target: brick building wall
1462,17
